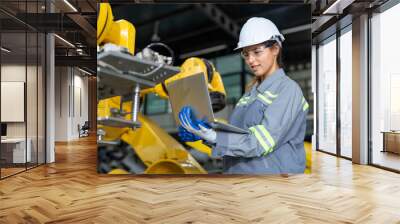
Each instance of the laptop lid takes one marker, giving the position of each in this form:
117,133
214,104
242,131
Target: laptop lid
191,91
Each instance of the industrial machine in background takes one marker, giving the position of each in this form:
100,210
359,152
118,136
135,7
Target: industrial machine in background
120,33
129,142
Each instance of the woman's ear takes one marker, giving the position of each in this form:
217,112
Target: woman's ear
275,49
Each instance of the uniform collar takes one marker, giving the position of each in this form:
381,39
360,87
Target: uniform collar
278,74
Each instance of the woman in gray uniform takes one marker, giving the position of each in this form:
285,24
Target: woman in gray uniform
273,110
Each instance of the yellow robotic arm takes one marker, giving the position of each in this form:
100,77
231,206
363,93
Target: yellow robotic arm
148,149
121,32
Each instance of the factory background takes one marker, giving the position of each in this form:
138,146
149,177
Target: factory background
212,34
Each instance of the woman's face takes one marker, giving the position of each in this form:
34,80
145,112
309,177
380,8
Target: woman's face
260,59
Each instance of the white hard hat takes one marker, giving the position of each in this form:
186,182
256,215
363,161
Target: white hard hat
258,30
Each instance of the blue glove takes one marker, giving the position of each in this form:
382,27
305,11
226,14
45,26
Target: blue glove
186,136
198,127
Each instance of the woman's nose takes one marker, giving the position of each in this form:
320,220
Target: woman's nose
250,59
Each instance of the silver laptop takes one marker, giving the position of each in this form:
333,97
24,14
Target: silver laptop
193,91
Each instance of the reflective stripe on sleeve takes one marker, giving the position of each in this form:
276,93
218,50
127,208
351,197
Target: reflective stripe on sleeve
260,139
305,107
267,135
261,133
305,104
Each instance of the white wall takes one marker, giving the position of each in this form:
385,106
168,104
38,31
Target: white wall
71,102
13,73
61,103
80,104
12,101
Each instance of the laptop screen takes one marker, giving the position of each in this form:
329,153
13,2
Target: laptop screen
191,91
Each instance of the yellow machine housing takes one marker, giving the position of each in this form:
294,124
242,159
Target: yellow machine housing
121,33
190,67
159,152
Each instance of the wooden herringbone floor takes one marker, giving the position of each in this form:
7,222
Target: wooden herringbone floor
70,191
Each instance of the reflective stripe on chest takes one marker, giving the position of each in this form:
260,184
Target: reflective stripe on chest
267,97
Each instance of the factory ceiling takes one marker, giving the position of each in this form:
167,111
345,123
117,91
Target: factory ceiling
210,30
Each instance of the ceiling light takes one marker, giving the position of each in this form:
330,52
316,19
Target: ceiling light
84,71
5,50
80,51
65,41
203,51
70,5
338,6
296,29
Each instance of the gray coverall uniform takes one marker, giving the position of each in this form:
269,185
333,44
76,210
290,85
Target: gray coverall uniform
274,112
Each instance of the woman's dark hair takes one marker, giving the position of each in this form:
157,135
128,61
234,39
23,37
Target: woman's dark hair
257,80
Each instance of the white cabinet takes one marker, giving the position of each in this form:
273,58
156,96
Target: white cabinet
18,149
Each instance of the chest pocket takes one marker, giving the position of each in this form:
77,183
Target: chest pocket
256,107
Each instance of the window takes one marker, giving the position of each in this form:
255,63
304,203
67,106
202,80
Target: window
232,87
156,105
385,88
229,64
22,68
346,92
327,95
